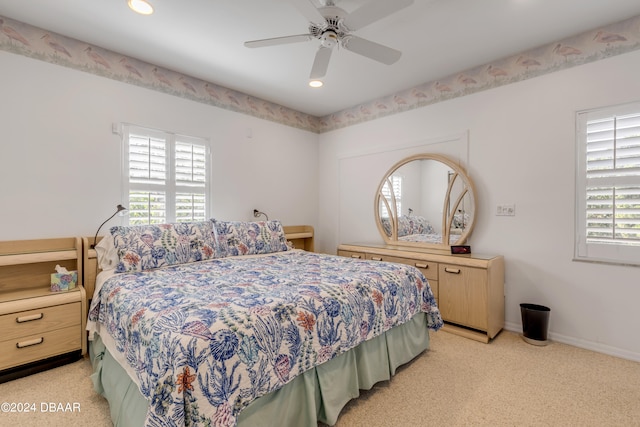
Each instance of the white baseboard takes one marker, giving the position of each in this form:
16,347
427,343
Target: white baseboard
580,343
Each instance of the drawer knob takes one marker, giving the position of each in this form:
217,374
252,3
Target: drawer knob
29,343
452,270
376,258
356,256
420,265
23,319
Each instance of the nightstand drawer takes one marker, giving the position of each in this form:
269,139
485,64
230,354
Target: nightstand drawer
30,322
39,346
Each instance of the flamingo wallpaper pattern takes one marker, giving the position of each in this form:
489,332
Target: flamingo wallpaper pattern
615,39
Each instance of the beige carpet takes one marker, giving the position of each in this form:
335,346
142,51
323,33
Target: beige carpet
459,382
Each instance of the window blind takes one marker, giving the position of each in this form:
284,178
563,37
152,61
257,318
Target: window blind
147,207
613,180
147,160
190,164
190,207
166,176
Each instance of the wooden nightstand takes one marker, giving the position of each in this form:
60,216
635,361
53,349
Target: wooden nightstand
301,236
37,324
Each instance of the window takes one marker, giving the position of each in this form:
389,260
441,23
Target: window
608,185
391,194
165,176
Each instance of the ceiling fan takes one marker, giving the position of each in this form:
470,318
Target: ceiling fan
333,27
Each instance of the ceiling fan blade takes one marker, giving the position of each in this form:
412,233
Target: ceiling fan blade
308,10
279,40
372,50
321,63
373,11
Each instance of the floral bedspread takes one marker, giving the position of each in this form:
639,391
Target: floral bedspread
207,338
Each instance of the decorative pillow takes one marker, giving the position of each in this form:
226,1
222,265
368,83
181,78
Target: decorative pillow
408,225
250,238
423,225
106,253
144,247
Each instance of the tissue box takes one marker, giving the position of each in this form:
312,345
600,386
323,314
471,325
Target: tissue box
64,281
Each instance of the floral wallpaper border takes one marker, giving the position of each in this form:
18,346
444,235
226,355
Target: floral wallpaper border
600,43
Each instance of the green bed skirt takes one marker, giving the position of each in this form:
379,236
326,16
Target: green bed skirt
317,395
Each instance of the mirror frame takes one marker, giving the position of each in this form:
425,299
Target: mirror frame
447,216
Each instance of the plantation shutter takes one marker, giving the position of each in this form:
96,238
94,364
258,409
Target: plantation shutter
608,185
613,180
191,173
165,176
148,170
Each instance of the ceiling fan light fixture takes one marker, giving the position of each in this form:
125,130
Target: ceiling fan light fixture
142,7
329,39
333,26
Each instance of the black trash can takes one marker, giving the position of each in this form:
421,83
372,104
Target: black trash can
535,323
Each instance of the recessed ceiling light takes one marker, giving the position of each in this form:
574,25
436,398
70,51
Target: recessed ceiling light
142,7
315,83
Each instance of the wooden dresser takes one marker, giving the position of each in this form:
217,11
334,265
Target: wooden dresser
469,288
36,323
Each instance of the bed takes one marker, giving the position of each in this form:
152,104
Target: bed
417,229
222,323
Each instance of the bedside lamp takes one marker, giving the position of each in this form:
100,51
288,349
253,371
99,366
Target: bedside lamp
119,209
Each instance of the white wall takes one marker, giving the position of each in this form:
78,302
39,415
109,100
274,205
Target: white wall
60,162
60,174
521,151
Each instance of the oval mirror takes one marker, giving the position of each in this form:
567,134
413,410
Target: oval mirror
425,200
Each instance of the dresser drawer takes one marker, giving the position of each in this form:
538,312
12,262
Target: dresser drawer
351,254
39,346
30,322
429,269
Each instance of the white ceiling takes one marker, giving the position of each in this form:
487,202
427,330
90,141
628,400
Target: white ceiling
204,39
